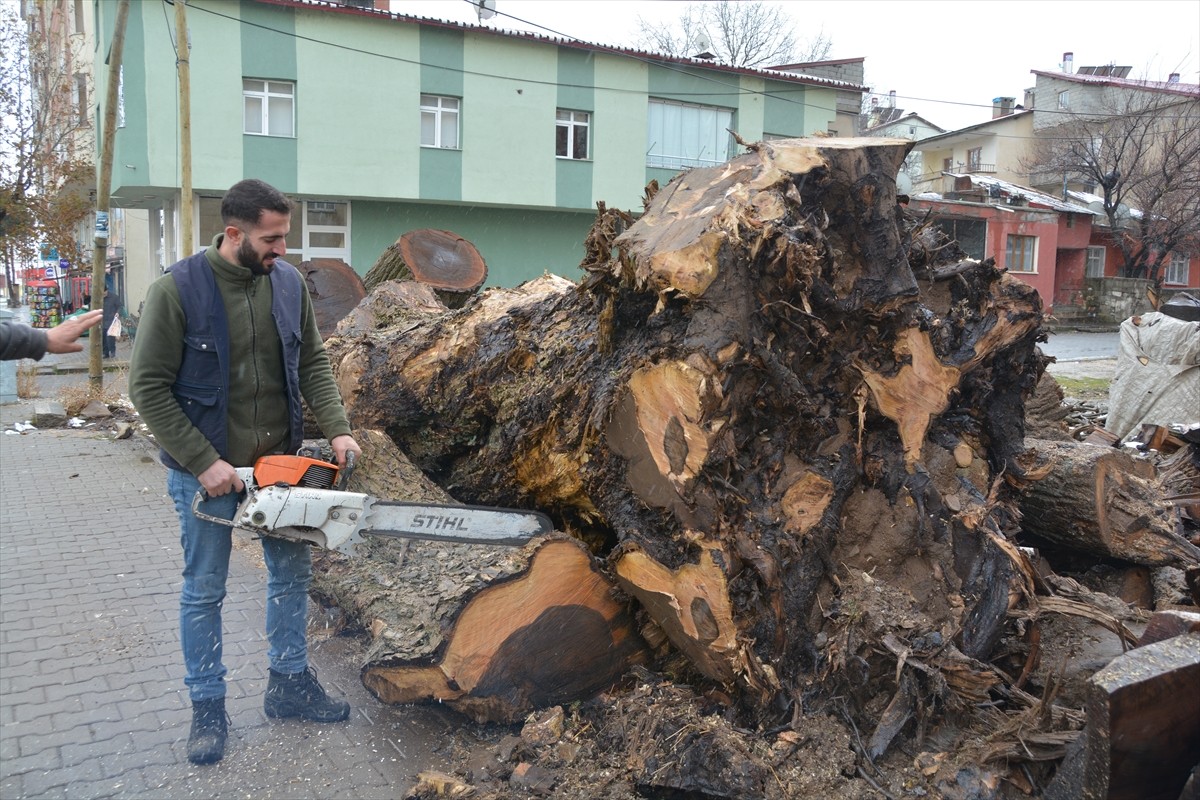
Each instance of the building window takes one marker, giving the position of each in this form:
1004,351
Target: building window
680,135
571,134
439,121
79,96
1177,270
319,228
947,165
974,159
971,234
79,16
1095,263
326,230
269,107
1020,253
1064,99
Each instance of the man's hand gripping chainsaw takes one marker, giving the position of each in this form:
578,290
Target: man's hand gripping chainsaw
294,497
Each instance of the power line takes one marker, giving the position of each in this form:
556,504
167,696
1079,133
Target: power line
734,90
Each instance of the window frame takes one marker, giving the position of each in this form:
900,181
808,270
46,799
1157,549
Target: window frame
1177,272
310,251
974,159
440,112
571,125
79,97
1092,269
264,98
1064,99
658,158
1028,252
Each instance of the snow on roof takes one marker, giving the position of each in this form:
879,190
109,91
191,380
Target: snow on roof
1032,195
1096,203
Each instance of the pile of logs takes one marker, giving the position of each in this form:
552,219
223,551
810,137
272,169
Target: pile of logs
780,427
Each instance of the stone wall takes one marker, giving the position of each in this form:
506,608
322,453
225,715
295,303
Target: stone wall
1117,299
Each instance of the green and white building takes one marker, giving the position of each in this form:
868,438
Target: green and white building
378,123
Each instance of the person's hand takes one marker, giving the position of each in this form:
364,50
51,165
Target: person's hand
221,478
342,445
62,337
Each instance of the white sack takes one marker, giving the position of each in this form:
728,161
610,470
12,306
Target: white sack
1157,380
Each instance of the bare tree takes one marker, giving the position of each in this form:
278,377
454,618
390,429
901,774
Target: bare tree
1140,153
741,34
46,130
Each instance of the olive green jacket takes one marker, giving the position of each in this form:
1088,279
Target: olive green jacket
258,412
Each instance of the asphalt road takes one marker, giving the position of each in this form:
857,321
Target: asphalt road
1074,346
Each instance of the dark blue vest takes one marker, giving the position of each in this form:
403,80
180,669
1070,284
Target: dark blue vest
202,384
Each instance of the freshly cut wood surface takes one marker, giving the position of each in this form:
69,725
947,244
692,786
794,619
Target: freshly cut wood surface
442,260
335,289
491,631
551,635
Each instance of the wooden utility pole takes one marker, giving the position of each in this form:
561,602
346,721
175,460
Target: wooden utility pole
103,185
183,51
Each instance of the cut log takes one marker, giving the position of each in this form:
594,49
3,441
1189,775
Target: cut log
738,369
493,632
1141,740
335,289
1100,500
553,634
443,260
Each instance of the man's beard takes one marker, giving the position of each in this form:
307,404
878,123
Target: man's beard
250,259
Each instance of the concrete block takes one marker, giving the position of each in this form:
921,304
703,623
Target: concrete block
49,414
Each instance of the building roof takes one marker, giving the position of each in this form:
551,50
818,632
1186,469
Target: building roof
1166,87
1096,203
1002,190
1020,112
329,6
832,62
911,116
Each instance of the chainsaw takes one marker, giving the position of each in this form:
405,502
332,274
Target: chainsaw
303,499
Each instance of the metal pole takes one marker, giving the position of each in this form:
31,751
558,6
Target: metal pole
185,127
103,186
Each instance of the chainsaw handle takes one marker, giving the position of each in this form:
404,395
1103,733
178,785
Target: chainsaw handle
348,470
247,476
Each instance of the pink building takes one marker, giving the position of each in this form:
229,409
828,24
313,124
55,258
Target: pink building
1036,237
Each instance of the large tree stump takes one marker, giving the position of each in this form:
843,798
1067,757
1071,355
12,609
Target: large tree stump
444,261
741,368
1101,500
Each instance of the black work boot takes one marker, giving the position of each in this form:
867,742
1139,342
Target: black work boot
301,696
206,742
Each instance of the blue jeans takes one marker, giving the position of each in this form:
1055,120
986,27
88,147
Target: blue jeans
206,548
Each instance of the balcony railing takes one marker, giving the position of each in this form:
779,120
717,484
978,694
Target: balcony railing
979,169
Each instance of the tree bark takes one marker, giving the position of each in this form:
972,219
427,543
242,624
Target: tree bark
1101,500
741,368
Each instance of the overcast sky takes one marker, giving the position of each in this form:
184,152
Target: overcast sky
945,59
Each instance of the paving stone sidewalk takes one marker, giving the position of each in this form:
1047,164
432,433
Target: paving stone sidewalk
92,702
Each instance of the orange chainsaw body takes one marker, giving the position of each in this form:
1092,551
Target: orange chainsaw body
295,471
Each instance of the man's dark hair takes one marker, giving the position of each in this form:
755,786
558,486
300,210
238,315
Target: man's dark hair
246,200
